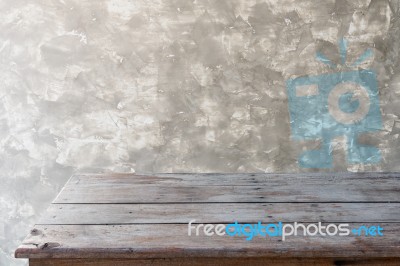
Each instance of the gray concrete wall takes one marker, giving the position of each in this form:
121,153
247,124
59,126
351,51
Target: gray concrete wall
171,86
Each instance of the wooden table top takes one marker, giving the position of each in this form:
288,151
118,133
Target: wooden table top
146,216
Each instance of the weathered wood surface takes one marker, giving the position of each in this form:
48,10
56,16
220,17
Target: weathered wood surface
172,240
214,262
126,217
185,188
220,213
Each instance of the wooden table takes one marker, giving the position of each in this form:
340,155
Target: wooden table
126,219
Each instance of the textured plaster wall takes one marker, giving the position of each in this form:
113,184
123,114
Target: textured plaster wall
170,86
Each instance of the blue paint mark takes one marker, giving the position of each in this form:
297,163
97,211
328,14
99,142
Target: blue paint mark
343,50
311,120
311,117
347,104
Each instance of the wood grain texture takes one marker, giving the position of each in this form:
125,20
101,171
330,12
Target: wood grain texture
220,213
215,262
234,188
172,240
127,219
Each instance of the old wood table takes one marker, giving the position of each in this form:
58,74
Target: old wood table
126,219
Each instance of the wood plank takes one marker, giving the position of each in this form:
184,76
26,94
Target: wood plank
220,213
226,179
206,188
214,262
171,240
